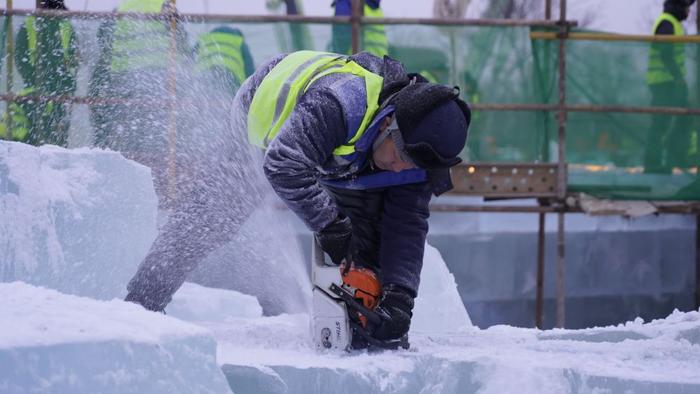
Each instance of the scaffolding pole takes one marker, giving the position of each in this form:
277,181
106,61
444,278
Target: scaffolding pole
355,22
677,111
197,18
9,55
587,36
697,124
539,292
172,113
697,261
561,173
539,299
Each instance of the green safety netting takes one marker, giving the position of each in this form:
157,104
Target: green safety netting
610,154
631,155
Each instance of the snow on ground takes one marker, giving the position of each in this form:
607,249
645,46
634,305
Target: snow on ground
271,355
56,343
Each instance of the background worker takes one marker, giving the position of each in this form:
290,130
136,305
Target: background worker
353,145
47,58
668,138
373,35
224,54
137,66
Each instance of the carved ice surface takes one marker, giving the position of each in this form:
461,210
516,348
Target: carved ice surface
78,221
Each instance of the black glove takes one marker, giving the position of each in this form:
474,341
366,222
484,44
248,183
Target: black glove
396,303
335,238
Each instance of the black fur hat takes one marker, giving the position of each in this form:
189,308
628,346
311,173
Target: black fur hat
434,123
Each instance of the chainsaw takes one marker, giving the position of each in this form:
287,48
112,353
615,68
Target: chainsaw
344,307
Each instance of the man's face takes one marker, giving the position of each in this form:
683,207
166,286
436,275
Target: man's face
386,156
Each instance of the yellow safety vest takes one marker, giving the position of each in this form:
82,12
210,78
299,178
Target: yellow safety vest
374,38
139,43
657,71
279,91
66,32
221,49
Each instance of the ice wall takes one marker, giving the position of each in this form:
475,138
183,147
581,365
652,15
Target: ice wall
79,221
56,343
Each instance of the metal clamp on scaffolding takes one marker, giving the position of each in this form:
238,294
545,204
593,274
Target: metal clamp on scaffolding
506,180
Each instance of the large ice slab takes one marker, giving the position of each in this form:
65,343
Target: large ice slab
56,343
658,357
79,221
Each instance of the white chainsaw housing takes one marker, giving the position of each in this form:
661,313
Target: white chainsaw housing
330,325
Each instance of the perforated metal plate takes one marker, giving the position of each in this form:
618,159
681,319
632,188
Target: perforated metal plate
505,180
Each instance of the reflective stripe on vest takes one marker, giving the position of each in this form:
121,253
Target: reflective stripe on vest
280,90
374,38
66,31
220,49
657,71
140,44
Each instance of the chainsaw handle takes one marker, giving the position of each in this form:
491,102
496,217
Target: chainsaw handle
374,316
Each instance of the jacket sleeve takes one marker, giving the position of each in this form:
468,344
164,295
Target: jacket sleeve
292,161
404,229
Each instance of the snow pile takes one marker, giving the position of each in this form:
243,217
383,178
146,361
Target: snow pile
56,343
79,221
193,302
